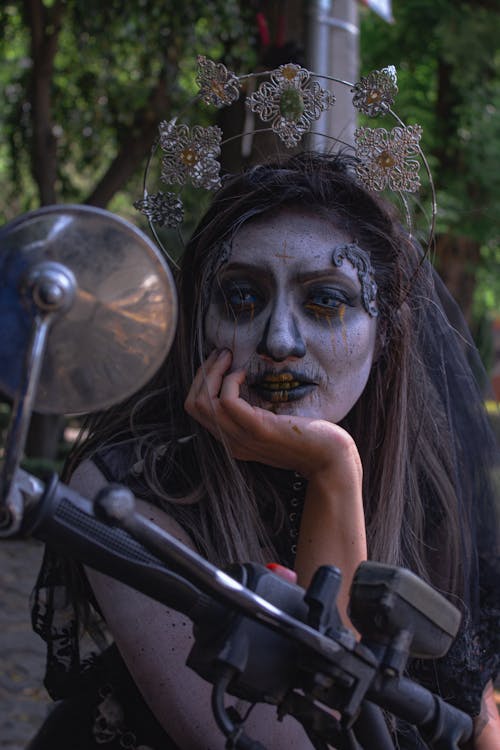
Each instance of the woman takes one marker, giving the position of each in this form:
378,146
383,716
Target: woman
317,408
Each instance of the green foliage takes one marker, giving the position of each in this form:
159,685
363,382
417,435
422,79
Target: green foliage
448,61
488,281
110,57
433,38
15,170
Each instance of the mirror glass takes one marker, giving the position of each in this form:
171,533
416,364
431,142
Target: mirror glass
120,325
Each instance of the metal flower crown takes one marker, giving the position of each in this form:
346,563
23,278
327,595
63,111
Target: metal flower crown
291,101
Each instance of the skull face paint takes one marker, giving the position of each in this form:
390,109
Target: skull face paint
294,320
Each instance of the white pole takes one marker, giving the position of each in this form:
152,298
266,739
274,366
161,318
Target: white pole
333,49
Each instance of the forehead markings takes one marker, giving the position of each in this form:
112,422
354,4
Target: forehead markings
284,255
360,261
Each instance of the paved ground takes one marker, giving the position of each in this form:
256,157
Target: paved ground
23,700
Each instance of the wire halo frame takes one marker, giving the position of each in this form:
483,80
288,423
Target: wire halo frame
291,100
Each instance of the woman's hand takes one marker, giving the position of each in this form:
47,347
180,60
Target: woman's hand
308,446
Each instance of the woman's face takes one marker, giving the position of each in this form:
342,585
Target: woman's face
293,320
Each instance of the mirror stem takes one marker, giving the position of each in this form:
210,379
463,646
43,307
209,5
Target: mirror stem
48,289
10,514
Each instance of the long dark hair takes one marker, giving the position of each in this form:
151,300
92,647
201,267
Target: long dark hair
419,487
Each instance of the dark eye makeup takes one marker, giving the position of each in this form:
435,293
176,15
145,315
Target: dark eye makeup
327,302
244,298
238,298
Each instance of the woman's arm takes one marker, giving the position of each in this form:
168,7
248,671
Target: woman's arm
332,529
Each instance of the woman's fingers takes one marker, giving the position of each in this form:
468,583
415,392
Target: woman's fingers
232,405
199,379
208,380
207,384
231,385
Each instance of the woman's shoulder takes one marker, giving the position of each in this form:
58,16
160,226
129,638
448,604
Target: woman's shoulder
92,475
88,478
119,463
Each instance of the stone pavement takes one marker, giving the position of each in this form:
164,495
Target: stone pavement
23,700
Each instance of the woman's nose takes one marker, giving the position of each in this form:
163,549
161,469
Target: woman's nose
281,338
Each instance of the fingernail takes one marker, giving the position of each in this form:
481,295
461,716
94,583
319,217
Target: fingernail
286,573
223,352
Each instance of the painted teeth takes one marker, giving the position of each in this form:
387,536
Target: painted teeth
279,378
272,385
279,397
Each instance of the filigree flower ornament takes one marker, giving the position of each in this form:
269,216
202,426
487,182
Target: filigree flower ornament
218,86
291,102
388,158
190,154
163,209
374,94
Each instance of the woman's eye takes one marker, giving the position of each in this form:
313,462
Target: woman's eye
325,303
241,298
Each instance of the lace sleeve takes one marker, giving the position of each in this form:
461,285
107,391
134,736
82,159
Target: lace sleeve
489,617
474,658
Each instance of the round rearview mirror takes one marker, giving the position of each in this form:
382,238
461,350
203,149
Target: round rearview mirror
117,324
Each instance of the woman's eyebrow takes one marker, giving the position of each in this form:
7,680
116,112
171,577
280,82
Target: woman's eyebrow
304,276
325,273
235,267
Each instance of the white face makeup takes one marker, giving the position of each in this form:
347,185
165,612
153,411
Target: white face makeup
294,322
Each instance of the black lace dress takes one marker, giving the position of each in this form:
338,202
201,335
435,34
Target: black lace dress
97,702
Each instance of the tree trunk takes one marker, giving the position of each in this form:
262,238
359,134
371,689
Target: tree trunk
45,25
44,436
456,260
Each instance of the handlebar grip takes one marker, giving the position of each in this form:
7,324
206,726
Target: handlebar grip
440,723
67,521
